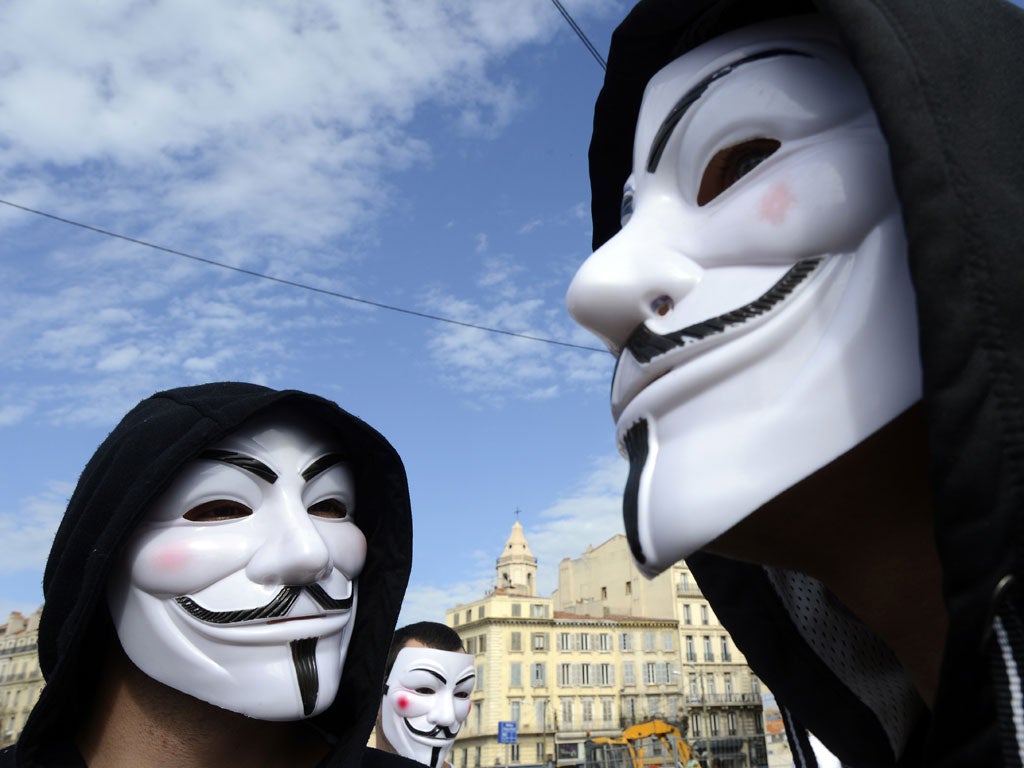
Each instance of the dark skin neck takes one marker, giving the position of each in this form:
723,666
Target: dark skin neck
862,525
136,720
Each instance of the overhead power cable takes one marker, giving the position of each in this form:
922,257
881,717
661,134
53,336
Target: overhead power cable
580,34
294,284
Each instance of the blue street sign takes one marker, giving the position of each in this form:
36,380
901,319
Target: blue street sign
506,731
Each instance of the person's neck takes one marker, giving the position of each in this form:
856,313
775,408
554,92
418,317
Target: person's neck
862,525
138,721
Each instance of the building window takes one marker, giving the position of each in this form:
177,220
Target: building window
625,641
455,621
687,616
585,674
515,676
709,652
604,593
607,710
587,707
664,672
564,641
695,724
726,654
465,757
517,609
584,640
684,582
629,587
540,641
709,679
565,675
514,708
731,717
480,612
469,614
728,684
649,673
628,673
482,644
540,715
604,642
605,674
694,690
704,618
516,641
648,641
470,643
540,752
476,757
691,652
479,684
513,752
667,641
537,675
538,611
713,722
566,712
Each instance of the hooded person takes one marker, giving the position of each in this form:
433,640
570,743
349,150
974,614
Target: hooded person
222,588
806,219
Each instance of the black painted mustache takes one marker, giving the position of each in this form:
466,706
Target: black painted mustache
645,345
437,732
276,608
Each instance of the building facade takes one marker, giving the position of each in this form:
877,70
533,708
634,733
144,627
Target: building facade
608,650
20,679
722,696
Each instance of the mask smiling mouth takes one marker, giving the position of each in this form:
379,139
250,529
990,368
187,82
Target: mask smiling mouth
438,733
277,608
646,347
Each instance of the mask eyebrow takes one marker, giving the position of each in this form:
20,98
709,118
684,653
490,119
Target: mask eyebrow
470,676
690,97
242,461
321,465
430,672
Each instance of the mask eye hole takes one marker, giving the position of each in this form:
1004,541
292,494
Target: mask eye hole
333,509
219,509
731,164
425,691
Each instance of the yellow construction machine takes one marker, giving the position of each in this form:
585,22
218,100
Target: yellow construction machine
654,744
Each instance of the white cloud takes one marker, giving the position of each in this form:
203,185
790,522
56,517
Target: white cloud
27,535
589,514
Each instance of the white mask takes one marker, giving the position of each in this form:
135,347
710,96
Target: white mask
426,701
791,282
239,587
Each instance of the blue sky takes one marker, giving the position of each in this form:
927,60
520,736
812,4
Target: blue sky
426,154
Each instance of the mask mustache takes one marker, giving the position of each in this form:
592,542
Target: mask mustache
437,732
276,608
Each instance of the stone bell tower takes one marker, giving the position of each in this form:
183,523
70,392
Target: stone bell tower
517,567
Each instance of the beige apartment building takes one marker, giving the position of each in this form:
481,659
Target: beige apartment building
20,679
609,649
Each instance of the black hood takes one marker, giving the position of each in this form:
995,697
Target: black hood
136,462
944,77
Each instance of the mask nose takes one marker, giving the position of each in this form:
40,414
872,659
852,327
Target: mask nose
443,712
294,553
627,281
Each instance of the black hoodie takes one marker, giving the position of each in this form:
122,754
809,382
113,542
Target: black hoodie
136,462
945,79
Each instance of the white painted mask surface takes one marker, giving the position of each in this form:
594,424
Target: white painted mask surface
239,588
758,296
426,701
